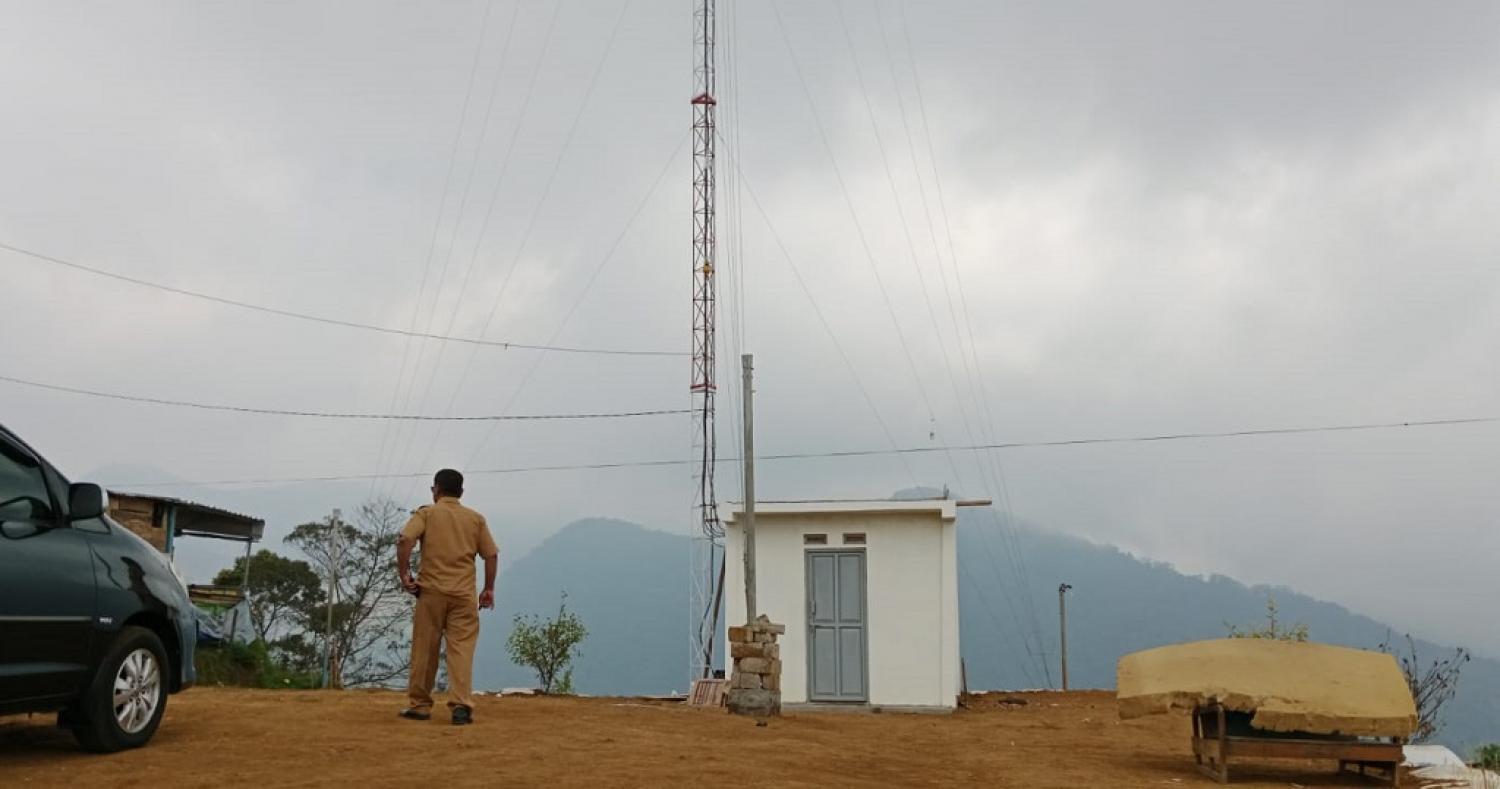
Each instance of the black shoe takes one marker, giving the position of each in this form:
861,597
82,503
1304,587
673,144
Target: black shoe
414,714
462,716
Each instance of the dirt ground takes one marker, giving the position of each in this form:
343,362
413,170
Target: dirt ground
229,737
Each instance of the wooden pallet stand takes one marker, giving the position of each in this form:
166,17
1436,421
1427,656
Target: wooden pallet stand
1214,748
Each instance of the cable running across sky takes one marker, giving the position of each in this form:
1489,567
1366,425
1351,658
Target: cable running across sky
479,341
337,414
1071,442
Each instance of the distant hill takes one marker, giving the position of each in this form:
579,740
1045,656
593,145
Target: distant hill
629,585
1120,604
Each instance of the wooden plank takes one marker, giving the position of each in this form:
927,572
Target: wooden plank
707,692
1371,753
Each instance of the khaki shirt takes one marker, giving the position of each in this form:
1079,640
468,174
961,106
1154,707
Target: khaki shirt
450,535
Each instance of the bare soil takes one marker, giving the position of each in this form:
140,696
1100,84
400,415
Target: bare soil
231,737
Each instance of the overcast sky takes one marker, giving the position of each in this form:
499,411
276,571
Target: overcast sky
1165,217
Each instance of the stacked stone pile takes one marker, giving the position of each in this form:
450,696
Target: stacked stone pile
755,684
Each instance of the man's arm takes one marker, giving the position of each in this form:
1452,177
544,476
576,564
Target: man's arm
491,566
415,527
403,563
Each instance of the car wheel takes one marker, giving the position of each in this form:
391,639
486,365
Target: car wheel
124,704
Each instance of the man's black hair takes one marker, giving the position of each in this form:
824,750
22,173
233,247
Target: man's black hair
449,482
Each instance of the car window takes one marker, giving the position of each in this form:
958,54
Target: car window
23,493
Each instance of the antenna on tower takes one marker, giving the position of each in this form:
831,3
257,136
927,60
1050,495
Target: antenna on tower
708,554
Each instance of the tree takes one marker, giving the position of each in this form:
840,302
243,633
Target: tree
1272,629
548,646
282,592
1431,687
1487,757
371,613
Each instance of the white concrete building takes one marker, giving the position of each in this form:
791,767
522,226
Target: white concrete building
868,592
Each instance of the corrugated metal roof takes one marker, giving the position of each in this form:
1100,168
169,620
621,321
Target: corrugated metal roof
204,519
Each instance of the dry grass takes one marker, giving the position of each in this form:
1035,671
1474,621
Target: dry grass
224,737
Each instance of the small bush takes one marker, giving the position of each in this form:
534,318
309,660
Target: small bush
1432,684
247,666
1488,757
548,647
1273,629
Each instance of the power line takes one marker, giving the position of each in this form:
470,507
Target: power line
403,383
526,235
1016,560
822,319
984,415
593,277
335,414
437,224
463,289
1276,431
477,341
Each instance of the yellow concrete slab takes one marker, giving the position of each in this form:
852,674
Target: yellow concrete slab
1288,687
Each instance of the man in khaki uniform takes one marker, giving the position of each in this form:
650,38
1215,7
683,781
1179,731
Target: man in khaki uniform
451,535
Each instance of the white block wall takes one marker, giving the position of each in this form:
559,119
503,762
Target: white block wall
911,607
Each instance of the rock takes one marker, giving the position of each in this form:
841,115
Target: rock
739,635
754,665
738,651
757,703
746,681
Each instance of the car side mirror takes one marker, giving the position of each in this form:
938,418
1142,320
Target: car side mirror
86,500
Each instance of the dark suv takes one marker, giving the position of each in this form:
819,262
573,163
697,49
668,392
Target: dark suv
94,623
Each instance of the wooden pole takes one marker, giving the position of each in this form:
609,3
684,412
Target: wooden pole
747,365
333,585
1062,628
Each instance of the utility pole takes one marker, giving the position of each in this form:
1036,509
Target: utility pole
334,524
1062,628
747,372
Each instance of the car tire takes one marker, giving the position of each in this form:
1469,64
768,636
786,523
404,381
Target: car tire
124,704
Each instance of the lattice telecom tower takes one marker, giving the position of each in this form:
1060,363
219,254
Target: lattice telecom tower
708,549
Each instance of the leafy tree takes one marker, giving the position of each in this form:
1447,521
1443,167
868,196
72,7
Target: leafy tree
1431,686
371,612
548,646
1273,629
1488,757
282,591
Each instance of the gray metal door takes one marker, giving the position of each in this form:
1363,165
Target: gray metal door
836,637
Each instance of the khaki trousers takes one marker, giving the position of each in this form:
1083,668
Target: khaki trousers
439,616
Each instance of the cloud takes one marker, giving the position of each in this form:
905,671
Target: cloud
1165,217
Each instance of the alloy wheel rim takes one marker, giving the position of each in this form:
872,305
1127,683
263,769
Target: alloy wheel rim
137,691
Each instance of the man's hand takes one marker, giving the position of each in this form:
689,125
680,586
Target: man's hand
408,583
487,599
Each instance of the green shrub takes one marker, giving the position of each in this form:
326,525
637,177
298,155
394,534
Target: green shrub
248,666
548,647
1273,629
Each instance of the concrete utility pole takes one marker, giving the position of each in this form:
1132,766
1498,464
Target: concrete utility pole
1062,628
747,363
334,524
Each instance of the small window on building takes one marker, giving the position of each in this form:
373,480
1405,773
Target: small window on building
854,538
814,539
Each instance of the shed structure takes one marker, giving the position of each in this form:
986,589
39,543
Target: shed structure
868,591
162,520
